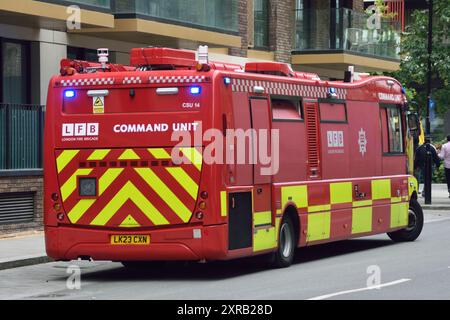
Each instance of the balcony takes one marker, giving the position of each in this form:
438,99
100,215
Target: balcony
339,37
216,15
53,14
173,23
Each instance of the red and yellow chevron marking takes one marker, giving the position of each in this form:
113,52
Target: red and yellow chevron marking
135,187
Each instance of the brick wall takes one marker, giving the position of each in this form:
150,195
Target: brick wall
24,184
281,27
242,28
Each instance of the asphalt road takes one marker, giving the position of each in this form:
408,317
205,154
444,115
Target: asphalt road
418,270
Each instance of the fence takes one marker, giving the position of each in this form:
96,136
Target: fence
21,136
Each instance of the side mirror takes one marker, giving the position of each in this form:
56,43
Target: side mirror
413,122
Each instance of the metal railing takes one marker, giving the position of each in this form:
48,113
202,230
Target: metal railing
21,136
346,30
216,14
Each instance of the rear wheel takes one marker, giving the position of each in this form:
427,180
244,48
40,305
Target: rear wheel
284,255
415,224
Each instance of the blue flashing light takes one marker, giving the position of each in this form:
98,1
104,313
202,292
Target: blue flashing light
227,80
332,90
69,94
195,90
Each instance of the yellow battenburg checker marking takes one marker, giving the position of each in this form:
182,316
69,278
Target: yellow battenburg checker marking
194,156
129,222
399,214
165,193
381,189
319,208
159,153
341,192
129,191
362,220
319,225
263,217
223,204
264,239
184,180
129,154
99,154
107,178
80,209
64,158
71,184
362,203
296,194
412,185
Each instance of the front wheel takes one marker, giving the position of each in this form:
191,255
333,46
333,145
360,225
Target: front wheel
284,255
415,224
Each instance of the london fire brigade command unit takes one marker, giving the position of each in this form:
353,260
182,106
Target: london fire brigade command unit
140,166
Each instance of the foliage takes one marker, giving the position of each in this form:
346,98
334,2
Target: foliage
414,67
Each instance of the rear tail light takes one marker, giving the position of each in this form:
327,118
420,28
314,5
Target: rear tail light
55,196
199,215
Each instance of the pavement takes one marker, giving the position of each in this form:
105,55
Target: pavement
439,198
22,251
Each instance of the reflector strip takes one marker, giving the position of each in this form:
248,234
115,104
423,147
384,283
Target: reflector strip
107,178
99,154
165,193
262,218
184,180
159,153
223,204
71,184
129,222
79,209
129,191
194,156
129,154
64,158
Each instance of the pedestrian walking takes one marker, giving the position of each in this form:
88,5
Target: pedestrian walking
420,160
445,155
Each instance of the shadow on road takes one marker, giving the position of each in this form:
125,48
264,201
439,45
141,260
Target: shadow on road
219,270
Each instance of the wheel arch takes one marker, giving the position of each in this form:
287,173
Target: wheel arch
291,212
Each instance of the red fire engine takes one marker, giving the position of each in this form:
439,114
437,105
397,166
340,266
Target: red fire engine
114,190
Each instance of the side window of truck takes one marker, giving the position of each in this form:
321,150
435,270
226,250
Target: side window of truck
392,129
286,108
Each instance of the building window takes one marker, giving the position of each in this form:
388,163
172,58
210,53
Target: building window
216,14
394,124
14,58
261,23
286,108
75,53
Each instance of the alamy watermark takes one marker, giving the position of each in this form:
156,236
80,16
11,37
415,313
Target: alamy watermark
73,21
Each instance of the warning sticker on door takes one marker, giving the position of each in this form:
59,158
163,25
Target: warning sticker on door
98,104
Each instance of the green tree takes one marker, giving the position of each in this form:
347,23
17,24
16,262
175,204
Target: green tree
414,67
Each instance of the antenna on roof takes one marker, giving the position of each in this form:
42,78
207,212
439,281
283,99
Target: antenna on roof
103,54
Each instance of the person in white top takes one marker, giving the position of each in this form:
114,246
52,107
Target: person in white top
445,155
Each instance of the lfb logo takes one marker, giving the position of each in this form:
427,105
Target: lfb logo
79,129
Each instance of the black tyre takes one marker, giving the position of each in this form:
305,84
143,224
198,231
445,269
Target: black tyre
415,224
284,255
143,264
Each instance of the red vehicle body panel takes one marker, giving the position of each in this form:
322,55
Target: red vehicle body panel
335,169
